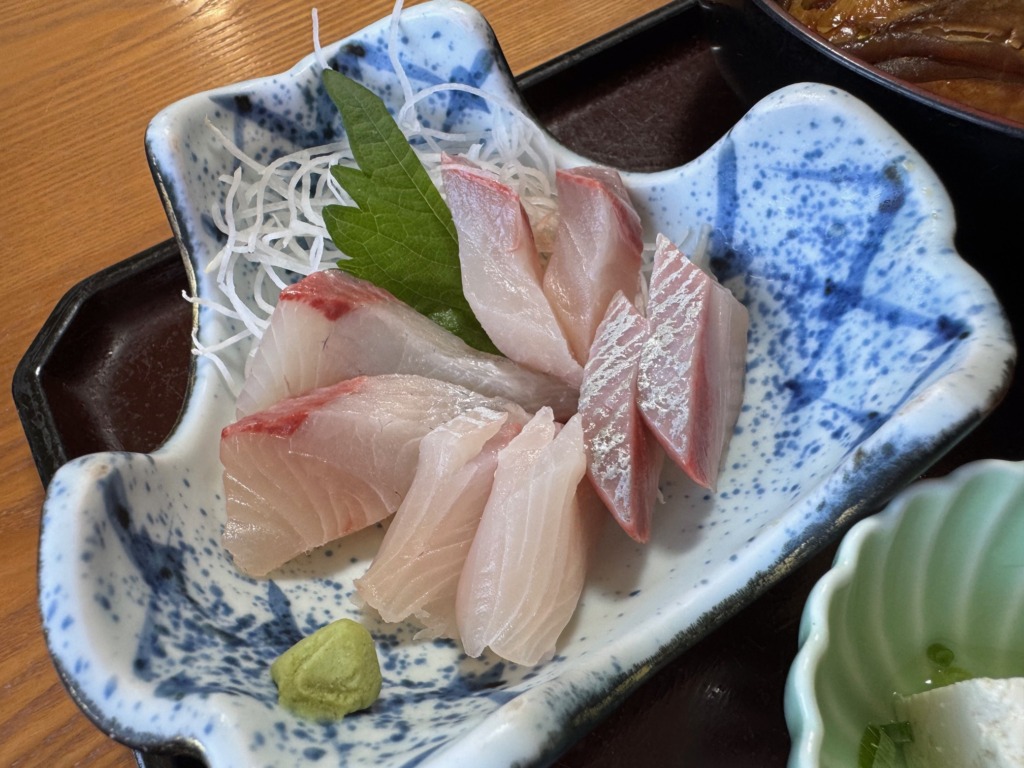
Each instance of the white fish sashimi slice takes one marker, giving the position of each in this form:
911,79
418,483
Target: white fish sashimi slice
501,271
624,459
692,366
416,570
295,354
314,468
541,629
332,326
526,567
597,252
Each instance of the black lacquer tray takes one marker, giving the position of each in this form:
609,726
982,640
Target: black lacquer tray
111,367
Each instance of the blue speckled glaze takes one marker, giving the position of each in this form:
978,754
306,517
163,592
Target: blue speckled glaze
873,346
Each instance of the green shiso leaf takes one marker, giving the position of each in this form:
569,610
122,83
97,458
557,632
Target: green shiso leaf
400,234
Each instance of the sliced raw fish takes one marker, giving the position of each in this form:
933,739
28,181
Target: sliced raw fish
624,458
502,273
416,570
332,326
316,467
693,363
597,251
526,567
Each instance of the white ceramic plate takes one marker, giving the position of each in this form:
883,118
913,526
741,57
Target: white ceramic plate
873,347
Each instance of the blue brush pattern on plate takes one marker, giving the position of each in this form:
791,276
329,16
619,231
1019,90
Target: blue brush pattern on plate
873,347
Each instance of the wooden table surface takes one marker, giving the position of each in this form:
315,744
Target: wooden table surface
80,82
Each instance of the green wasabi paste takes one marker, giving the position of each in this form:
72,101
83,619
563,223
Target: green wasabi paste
329,674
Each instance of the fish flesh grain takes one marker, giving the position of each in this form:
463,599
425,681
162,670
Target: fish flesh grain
316,467
624,459
526,566
415,573
597,252
693,363
502,275
331,326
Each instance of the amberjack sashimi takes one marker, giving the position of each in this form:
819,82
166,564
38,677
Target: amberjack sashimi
331,326
597,252
316,467
502,273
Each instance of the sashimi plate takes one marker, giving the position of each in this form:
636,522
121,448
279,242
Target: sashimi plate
873,348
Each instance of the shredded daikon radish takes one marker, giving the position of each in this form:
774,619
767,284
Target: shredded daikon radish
271,214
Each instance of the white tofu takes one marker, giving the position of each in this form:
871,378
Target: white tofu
971,724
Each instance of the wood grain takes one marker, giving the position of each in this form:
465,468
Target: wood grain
81,82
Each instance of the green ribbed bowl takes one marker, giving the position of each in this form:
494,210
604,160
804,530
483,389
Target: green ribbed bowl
943,563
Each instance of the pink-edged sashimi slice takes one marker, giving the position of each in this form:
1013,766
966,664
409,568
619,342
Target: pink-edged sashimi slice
526,567
331,326
624,459
415,573
502,273
597,252
692,366
316,467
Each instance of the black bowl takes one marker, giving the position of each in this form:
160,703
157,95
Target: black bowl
978,157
